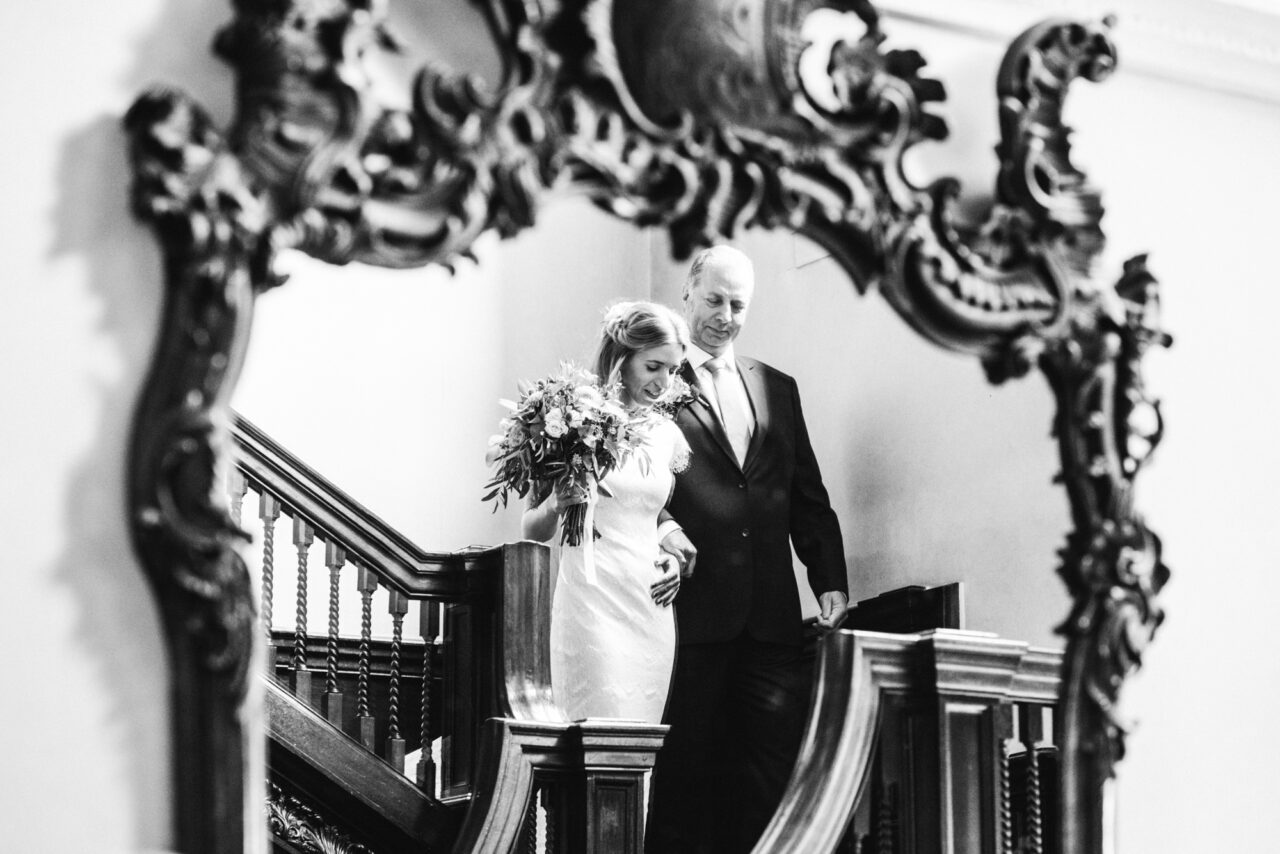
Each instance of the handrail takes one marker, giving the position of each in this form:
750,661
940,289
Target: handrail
303,739
834,764
856,670
510,751
366,536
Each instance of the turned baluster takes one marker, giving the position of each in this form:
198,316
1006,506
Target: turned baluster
885,817
429,624
531,825
268,512
366,583
1006,744
237,486
551,841
334,557
1032,731
398,606
300,676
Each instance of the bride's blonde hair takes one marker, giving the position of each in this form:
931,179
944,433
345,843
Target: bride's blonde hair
630,327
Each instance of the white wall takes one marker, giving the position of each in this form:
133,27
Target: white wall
1191,176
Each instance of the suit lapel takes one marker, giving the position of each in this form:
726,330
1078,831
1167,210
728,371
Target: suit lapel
702,410
753,381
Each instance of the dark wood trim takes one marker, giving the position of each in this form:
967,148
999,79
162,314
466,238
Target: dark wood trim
210,224
910,609
359,792
367,538
348,654
931,703
904,610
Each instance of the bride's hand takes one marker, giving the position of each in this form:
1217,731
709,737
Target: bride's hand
664,590
565,496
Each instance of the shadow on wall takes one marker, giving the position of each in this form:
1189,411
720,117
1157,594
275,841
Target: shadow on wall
118,628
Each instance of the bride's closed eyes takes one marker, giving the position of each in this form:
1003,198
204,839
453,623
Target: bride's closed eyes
647,375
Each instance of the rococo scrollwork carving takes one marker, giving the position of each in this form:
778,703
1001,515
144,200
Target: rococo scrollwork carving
303,829
702,117
1107,427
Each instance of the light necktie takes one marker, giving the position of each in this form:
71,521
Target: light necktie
737,423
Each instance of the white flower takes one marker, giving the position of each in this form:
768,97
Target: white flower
555,426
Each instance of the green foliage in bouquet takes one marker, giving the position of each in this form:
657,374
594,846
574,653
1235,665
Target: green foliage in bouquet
564,431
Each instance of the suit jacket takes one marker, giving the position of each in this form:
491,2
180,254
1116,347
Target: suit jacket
743,519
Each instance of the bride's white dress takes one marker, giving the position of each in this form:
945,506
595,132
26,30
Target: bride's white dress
612,646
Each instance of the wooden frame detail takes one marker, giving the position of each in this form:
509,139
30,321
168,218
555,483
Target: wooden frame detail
690,115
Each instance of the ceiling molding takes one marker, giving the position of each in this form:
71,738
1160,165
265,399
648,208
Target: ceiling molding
1212,44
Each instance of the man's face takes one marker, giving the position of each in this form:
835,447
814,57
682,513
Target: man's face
716,307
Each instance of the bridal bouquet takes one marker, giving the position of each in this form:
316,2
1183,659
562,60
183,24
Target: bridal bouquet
565,431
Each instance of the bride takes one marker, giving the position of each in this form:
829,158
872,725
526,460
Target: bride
613,641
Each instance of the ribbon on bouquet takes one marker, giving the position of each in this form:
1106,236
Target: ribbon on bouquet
589,542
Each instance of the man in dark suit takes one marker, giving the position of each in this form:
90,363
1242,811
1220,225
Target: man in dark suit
740,690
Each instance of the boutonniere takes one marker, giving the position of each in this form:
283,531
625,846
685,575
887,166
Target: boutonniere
679,395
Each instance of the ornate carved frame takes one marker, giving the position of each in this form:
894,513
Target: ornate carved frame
691,115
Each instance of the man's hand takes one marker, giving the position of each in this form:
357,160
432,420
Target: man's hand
664,590
678,545
834,605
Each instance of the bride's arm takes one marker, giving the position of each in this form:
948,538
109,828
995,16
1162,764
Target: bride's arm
543,508
540,517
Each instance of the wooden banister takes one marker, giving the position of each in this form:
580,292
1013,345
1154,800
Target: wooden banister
497,600
485,621
365,536
307,755
949,696
510,752
925,739
834,764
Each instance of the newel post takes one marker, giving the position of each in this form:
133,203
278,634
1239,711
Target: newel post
960,728
599,805
591,772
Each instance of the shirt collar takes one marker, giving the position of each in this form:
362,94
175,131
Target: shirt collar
698,357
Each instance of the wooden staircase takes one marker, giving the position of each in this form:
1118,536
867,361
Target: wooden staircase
918,739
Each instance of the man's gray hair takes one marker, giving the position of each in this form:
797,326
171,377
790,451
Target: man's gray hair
721,254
